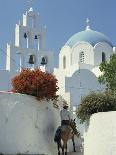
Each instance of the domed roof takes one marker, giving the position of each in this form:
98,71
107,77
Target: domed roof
90,36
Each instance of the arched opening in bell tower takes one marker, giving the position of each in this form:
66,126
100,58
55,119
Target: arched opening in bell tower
30,22
36,41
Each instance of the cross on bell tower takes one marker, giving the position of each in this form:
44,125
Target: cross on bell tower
30,3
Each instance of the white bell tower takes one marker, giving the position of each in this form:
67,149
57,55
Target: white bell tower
29,50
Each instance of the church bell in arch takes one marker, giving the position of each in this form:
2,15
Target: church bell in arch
25,35
36,37
44,61
31,59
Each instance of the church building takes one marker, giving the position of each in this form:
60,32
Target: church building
79,61
28,51
79,58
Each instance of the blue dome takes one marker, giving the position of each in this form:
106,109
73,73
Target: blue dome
90,36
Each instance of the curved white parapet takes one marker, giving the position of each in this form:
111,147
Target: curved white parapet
27,125
100,138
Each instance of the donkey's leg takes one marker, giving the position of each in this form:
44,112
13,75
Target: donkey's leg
63,150
66,149
58,146
73,144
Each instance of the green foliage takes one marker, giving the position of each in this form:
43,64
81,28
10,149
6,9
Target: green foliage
96,102
108,76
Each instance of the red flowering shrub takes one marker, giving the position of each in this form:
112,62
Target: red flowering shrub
43,85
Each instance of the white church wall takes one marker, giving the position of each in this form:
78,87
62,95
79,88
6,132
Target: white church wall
96,71
98,49
17,34
100,139
65,51
80,84
72,69
26,125
50,61
85,66
60,75
114,50
88,53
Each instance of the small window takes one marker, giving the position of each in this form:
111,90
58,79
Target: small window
64,62
81,57
103,57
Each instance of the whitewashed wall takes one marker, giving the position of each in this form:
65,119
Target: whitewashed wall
88,53
27,125
100,139
65,51
77,91
98,49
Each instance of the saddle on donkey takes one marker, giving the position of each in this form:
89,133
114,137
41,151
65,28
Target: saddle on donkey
57,136
62,128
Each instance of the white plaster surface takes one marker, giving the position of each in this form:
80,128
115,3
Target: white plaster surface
27,125
80,78
100,138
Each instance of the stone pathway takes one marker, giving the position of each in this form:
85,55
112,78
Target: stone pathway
75,153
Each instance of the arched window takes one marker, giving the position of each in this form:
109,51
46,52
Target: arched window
30,22
64,62
81,57
103,57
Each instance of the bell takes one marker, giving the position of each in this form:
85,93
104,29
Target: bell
25,35
31,59
43,62
36,37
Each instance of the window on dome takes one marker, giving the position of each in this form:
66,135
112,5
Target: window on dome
103,57
64,62
81,57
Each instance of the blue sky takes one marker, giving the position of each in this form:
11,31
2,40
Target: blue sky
63,18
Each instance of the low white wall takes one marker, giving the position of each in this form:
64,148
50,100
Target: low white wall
100,138
27,125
